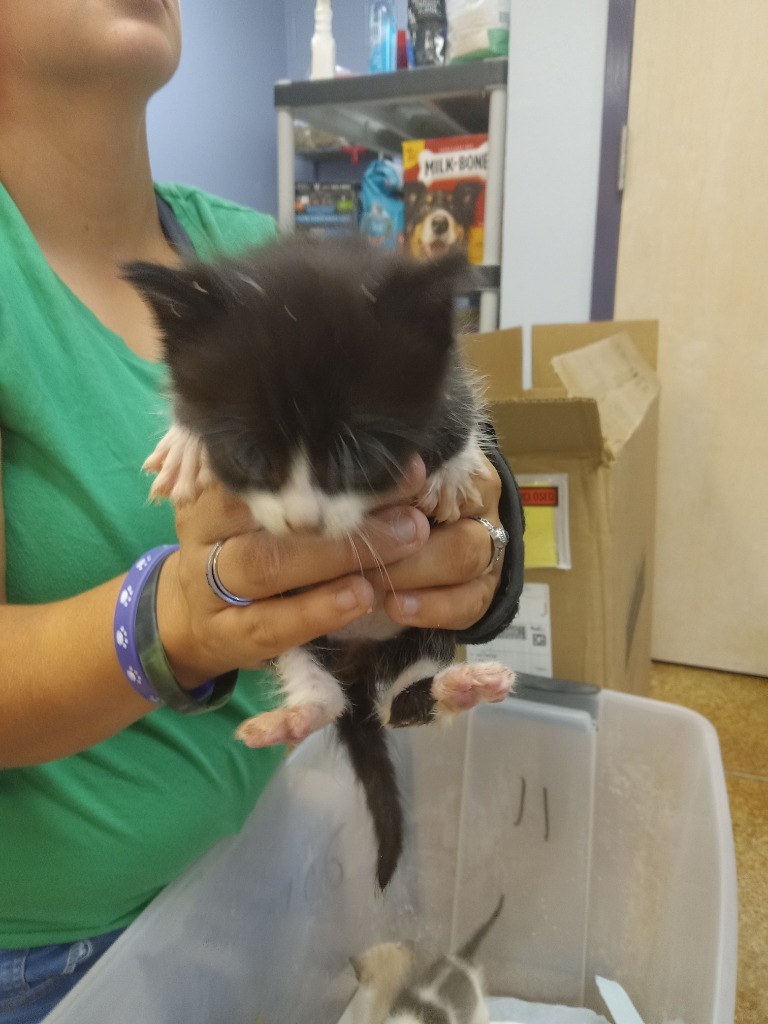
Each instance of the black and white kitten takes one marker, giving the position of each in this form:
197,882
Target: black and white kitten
305,376
450,990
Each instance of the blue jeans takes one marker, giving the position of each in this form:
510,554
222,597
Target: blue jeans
33,981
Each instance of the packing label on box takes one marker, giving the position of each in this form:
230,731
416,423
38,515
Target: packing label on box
526,644
547,533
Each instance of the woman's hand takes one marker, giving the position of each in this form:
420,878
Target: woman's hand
447,582
302,586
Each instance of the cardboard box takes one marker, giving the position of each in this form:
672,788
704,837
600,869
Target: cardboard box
592,417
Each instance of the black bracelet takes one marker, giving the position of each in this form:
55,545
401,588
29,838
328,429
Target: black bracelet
208,697
506,602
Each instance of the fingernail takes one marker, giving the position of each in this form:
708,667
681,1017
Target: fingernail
402,526
409,605
348,600
415,465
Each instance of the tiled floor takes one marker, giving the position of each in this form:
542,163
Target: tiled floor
738,708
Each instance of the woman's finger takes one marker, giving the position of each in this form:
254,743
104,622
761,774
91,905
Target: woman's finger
259,565
266,628
453,608
451,581
455,553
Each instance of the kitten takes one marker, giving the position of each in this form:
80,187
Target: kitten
450,991
382,972
305,376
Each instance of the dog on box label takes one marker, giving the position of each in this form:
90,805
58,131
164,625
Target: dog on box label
437,221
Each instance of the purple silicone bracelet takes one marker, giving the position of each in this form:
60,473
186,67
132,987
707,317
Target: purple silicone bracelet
125,620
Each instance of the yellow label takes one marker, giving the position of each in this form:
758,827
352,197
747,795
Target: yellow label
540,539
411,150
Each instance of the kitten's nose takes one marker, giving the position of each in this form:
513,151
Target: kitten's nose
301,501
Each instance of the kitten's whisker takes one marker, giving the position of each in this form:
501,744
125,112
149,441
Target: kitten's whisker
374,448
388,428
357,460
351,539
380,565
388,460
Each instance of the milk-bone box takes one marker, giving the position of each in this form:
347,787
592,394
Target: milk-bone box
444,194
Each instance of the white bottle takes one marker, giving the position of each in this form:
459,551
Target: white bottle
323,43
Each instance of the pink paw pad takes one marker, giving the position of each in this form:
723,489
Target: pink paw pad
463,686
283,725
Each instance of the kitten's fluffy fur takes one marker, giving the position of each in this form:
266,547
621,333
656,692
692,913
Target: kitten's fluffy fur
305,377
451,990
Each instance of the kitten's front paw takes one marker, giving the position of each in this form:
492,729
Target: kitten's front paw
283,725
442,498
462,686
181,467
451,485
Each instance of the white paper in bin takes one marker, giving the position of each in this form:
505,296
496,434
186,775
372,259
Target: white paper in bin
510,798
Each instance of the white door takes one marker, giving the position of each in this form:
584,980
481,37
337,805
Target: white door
693,252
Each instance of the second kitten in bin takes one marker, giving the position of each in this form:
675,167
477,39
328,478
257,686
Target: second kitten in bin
451,990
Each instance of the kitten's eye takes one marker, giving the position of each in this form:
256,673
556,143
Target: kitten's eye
251,462
239,462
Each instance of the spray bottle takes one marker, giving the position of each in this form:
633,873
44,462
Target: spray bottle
323,43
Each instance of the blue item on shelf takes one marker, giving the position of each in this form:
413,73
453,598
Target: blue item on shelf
382,26
383,214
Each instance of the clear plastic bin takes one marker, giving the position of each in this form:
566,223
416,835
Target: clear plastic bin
605,823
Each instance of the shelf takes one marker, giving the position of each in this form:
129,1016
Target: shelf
381,111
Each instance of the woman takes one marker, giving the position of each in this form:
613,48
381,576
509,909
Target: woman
104,797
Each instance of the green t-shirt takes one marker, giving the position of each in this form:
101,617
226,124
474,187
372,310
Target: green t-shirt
87,841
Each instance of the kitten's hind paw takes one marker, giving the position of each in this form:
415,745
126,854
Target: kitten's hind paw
462,686
283,725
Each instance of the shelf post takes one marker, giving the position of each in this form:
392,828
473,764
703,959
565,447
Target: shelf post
286,176
494,202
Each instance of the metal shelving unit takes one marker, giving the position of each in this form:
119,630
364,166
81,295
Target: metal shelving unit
379,112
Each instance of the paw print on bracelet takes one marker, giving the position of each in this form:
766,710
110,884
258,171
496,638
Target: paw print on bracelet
124,625
139,683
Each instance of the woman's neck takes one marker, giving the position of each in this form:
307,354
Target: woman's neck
78,169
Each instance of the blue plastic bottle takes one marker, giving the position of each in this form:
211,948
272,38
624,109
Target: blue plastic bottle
383,36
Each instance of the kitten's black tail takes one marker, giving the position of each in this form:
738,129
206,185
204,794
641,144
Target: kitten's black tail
362,733
469,950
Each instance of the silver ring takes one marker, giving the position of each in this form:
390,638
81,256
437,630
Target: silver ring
214,582
499,539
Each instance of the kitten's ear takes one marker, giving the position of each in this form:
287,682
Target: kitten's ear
179,297
422,292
